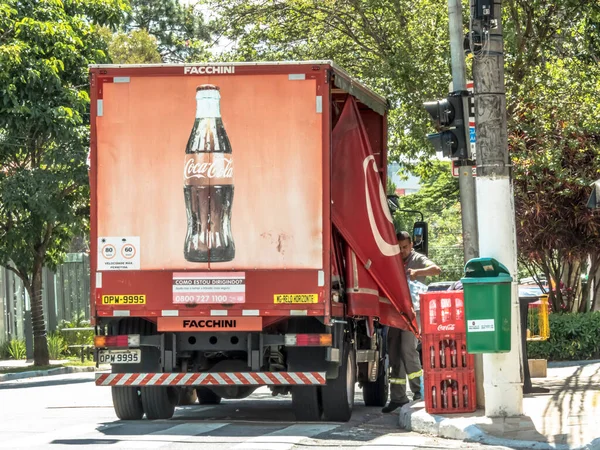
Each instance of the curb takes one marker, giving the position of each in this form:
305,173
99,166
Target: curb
415,418
43,373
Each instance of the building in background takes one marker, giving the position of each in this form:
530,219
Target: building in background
403,187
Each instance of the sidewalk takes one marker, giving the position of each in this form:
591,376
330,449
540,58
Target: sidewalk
21,363
568,417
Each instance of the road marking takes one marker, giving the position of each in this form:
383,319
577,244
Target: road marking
395,441
286,438
189,429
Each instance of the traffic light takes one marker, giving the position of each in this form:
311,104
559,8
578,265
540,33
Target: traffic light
449,119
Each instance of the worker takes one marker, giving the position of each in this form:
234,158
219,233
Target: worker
402,344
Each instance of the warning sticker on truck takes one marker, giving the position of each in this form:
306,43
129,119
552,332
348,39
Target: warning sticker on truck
209,287
295,298
119,253
475,326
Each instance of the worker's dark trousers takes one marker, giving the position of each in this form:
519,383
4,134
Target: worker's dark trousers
404,361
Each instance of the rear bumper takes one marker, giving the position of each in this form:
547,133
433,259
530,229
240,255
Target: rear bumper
211,379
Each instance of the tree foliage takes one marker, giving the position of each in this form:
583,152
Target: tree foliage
398,47
438,201
553,81
136,47
45,47
179,29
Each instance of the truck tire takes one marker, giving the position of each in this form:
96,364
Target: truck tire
306,402
127,403
376,393
338,394
207,397
187,396
159,402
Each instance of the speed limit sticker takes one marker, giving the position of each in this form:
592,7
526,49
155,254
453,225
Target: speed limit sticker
119,253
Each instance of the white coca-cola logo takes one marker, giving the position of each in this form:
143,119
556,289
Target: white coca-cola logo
449,327
195,169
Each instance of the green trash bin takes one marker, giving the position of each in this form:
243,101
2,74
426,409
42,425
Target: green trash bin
487,294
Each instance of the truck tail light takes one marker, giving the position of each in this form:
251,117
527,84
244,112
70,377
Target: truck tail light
122,340
308,340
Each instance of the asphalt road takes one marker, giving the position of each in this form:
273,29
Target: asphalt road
70,412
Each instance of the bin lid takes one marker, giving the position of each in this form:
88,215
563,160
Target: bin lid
485,270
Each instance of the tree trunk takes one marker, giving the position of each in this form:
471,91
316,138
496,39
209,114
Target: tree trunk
40,343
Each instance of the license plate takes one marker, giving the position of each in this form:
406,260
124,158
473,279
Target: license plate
120,356
139,299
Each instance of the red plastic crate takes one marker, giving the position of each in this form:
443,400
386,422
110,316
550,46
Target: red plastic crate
442,312
450,391
446,351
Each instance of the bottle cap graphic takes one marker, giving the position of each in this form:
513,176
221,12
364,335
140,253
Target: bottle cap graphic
207,87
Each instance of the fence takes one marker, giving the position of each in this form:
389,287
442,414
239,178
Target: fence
65,293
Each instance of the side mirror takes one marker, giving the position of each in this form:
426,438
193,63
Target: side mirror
393,203
420,238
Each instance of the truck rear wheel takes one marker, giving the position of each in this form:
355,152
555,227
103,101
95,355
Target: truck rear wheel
338,394
159,402
306,402
127,403
376,393
207,397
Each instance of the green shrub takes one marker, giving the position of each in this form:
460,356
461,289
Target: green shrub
4,350
573,336
16,349
76,337
57,346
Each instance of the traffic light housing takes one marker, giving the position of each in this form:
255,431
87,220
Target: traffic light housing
449,119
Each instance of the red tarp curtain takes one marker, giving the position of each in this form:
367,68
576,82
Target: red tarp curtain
361,214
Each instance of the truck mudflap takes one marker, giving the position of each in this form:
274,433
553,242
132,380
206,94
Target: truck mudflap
211,379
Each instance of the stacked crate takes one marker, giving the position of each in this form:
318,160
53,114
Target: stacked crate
449,371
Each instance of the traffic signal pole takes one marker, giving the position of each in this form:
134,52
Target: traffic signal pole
466,181
503,381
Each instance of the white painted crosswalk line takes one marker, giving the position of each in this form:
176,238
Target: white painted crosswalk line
153,440
189,429
394,441
286,438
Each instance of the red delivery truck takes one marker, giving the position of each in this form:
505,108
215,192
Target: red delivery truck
241,236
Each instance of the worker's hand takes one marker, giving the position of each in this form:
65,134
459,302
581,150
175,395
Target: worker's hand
412,273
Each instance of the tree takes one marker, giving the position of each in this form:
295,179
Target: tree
136,47
438,201
179,28
45,47
552,81
401,54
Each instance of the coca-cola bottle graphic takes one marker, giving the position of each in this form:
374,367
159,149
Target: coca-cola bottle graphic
208,183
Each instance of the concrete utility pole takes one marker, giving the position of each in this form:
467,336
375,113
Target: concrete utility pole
466,181
503,379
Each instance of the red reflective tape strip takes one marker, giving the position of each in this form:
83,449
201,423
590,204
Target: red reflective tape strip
227,379
146,379
272,377
319,377
256,377
132,378
210,380
162,379
287,377
177,378
303,377
193,378
101,379
242,378
116,379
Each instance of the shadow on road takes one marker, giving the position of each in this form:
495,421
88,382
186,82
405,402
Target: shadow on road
251,418
41,383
